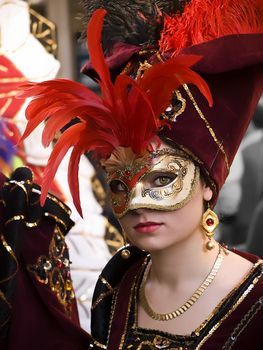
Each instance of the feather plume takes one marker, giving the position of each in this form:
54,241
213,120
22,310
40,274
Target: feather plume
137,22
108,121
204,20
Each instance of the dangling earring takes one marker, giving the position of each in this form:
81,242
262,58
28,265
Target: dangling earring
125,253
209,224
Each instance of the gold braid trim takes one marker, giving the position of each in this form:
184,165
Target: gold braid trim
210,129
99,345
102,296
239,301
243,324
53,199
58,220
15,218
11,252
2,296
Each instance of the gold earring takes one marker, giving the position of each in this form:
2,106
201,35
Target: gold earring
125,253
209,224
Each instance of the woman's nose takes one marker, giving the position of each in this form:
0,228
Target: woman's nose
138,211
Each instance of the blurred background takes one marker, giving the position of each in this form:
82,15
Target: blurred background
70,49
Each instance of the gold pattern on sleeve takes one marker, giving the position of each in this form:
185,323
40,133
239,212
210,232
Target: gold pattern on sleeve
102,296
99,345
15,218
53,270
10,251
57,219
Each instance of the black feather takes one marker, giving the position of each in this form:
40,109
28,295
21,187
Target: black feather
136,22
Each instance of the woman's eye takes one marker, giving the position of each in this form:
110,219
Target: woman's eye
117,186
163,180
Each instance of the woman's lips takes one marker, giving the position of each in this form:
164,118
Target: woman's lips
147,227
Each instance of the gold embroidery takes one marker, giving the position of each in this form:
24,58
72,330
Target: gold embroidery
99,345
11,252
2,296
58,220
15,218
54,199
104,281
132,295
59,203
243,296
198,330
54,270
210,129
102,296
32,224
243,324
158,343
15,184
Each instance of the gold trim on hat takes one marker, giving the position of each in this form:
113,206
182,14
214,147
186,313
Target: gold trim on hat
210,129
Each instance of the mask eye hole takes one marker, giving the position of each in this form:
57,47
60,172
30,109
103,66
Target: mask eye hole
162,179
118,186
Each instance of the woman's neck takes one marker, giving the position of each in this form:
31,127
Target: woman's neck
186,261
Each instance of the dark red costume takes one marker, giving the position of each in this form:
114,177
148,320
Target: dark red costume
38,308
235,323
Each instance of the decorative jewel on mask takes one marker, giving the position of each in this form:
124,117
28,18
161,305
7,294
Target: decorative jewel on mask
177,107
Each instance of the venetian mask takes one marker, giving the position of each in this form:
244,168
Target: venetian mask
162,179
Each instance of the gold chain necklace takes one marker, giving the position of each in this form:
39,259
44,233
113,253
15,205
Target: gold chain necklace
190,302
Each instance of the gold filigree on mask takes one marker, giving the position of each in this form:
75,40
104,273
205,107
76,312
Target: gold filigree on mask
173,187
163,179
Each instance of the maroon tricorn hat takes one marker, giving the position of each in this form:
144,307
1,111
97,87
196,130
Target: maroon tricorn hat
233,68
229,37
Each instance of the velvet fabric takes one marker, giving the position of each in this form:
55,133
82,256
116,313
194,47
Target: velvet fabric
236,324
233,68
37,318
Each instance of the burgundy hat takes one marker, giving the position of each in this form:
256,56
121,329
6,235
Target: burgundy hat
233,68
228,35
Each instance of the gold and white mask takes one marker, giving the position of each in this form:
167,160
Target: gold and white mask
164,179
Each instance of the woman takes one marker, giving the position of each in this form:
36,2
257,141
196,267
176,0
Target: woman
166,142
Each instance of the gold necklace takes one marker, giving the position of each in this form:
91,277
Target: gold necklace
190,302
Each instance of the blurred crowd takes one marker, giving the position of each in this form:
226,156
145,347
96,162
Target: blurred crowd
240,204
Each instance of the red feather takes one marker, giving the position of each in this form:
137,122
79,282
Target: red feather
204,20
106,121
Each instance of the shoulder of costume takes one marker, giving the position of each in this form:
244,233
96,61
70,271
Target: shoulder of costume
107,287
20,190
